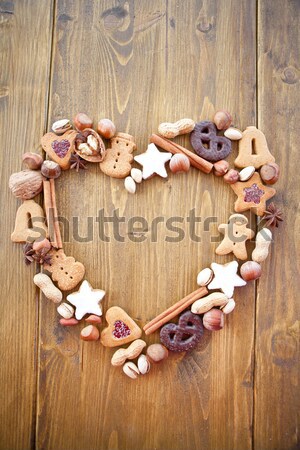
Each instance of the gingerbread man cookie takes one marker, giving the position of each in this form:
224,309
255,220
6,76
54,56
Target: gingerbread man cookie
65,270
253,149
252,194
208,144
236,234
118,159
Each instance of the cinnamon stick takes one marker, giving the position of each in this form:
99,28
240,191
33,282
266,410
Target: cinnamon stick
49,212
170,146
174,310
55,214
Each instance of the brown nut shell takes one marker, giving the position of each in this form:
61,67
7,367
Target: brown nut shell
213,320
26,184
232,176
221,168
106,128
50,169
222,119
157,352
270,173
250,270
32,161
98,155
82,121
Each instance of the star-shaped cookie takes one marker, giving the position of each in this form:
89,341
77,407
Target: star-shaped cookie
252,194
236,234
153,162
86,300
226,278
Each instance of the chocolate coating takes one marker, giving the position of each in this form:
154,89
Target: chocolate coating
184,336
205,133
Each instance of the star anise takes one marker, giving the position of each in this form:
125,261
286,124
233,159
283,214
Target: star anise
273,215
30,255
77,163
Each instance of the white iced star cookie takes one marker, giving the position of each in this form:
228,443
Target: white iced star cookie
86,300
153,162
226,278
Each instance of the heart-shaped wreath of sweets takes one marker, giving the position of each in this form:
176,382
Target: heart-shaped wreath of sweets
38,228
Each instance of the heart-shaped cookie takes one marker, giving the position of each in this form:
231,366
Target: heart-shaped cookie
121,328
59,148
184,336
65,270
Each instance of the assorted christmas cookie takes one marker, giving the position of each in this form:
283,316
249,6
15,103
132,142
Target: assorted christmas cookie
75,146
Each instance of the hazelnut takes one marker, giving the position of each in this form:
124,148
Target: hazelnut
90,333
220,168
250,270
106,128
32,161
157,352
179,163
82,121
213,320
231,177
269,173
50,169
222,120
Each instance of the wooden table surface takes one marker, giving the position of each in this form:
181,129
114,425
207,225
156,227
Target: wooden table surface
141,63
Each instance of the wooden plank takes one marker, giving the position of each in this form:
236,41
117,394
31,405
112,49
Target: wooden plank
277,399
25,45
141,63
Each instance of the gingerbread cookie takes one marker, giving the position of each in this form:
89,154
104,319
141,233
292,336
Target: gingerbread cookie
86,300
252,194
29,212
121,328
118,159
59,148
184,336
253,149
153,162
65,270
236,234
226,278
208,144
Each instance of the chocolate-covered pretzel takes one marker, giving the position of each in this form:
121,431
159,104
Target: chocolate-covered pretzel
208,144
184,336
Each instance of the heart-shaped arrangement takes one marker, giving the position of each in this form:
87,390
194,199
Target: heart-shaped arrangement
39,229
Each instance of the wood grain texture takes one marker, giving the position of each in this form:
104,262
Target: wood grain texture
277,398
141,63
150,61
25,55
